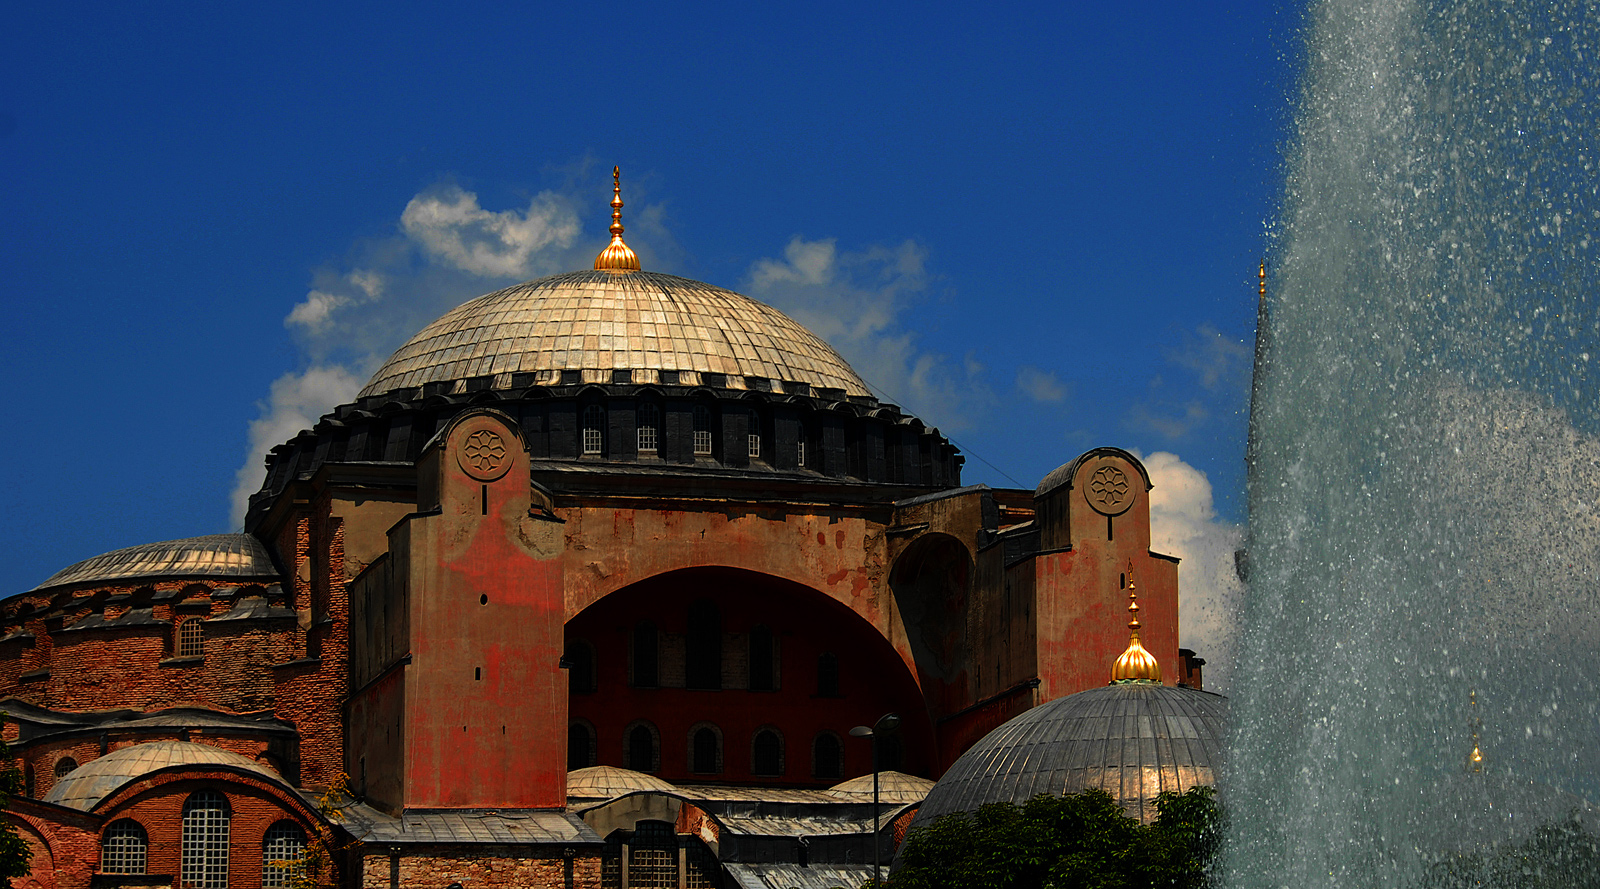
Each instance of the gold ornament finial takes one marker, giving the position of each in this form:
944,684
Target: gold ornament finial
617,257
1262,293
1475,758
1135,664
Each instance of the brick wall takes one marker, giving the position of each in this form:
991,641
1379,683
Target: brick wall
473,869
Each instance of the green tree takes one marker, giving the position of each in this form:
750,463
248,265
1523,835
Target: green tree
1558,855
1082,841
15,855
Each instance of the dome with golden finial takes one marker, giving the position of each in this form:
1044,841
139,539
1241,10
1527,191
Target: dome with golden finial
617,257
1136,664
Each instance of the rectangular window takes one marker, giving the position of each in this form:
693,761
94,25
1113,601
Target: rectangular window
649,424
800,453
755,446
702,430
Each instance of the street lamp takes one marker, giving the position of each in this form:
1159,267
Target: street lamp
886,723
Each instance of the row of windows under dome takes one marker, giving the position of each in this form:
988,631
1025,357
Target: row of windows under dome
207,836
869,441
704,666
706,753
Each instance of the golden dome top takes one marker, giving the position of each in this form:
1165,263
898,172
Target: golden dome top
1135,664
617,257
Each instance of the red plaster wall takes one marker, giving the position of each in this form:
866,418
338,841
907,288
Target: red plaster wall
486,703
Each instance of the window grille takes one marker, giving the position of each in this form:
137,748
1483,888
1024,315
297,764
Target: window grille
653,856
703,658
191,638
703,867
205,840
594,421
827,758
827,675
283,855
644,654
64,766
754,446
580,746
642,754
125,848
800,453
761,660
767,753
702,430
707,752
649,428
611,864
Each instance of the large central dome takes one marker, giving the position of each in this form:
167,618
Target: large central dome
596,323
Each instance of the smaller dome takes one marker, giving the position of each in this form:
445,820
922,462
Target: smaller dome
85,786
1133,740
896,788
609,782
234,556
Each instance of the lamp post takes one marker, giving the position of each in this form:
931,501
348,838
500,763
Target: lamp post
886,723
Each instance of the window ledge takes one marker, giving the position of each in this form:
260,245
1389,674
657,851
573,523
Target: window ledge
35,676
191,661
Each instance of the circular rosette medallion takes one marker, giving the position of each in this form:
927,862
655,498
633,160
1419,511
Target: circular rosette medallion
1109,490
484,455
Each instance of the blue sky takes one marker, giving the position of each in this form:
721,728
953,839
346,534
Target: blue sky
1034,226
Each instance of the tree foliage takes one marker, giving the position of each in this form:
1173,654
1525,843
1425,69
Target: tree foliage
1558,855
15,856
1083,841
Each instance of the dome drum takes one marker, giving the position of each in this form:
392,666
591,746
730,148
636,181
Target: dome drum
806,437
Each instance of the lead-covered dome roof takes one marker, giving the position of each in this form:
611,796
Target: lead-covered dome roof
234,556
1133,740
598,322
85,786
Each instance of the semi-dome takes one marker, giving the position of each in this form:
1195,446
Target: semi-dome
1133,740
599,322
233,556
85,786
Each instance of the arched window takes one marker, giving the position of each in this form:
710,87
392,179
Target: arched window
191,638
644,655
827,757
580,746
649,428
64,765
283,855
766,753
753,436
827,675
644,753
653,856
205,840
702,431
703,658
125,849
763,675
580,667
705,750
594,429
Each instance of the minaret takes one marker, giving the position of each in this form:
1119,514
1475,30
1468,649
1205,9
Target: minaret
1135,664
1241,557
617,257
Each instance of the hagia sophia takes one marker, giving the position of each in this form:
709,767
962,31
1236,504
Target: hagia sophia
607,579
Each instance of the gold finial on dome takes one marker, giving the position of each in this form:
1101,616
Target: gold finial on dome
1475,758
617,257
1135,664
1262,293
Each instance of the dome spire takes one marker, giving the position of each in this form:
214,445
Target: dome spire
1475,758
617,257
1135,664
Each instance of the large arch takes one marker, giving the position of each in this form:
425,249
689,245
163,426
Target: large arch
806,625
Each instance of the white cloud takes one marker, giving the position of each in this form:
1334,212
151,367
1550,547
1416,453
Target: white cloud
1184,523
854,301
1041,385
295,402
450,226
1214,359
